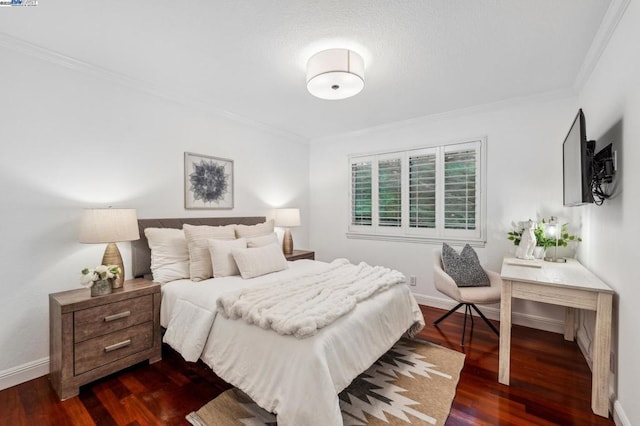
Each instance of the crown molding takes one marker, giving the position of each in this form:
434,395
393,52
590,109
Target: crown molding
51,56
448,115
607,27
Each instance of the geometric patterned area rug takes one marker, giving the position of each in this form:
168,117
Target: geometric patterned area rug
413,383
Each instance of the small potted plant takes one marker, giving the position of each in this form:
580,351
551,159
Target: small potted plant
565,237
542,241
100,279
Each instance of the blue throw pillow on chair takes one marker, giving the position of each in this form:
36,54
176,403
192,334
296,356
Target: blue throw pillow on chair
464,268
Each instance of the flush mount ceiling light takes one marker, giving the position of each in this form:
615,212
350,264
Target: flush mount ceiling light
335,74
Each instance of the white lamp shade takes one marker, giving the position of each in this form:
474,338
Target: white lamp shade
108,225
553,227
287,217
335,74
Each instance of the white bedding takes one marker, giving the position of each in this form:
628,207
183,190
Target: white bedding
298,379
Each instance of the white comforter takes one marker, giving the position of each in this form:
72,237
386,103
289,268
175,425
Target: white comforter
298,379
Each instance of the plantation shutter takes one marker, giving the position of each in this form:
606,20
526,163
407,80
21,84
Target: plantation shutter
461,188
361,191
422,191
389,192
434,193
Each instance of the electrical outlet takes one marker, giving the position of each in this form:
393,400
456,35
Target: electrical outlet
412,280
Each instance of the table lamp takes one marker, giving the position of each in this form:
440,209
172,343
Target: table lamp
554,229
287,218
110,226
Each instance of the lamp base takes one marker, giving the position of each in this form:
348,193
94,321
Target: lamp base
555,259
112,257
287,242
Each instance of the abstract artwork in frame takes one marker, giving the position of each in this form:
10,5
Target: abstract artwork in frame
208,182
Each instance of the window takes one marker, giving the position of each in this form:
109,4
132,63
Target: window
361,190
422,191
460,189
432,193
389,193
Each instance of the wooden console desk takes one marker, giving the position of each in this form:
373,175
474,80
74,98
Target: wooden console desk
567,284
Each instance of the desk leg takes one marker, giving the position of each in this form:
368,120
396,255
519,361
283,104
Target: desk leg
505,333
601,356
570,324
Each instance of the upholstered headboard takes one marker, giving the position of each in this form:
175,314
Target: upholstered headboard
140,252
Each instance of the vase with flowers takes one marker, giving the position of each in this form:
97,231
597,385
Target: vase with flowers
100,279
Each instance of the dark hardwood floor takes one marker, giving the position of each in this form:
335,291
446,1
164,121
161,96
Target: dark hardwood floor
550,385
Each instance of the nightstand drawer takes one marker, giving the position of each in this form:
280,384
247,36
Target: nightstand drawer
105,319
103,350
300,254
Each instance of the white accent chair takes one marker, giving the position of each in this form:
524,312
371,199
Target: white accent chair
467,296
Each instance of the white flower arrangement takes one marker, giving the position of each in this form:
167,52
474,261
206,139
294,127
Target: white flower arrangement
101,272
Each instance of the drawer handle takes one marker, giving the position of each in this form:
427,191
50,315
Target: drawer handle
115,346
117,316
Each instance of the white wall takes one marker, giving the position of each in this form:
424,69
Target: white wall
71,140
524,180
611,101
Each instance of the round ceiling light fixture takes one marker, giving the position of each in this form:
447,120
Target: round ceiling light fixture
335,74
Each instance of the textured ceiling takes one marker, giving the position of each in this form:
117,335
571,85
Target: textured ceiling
247,58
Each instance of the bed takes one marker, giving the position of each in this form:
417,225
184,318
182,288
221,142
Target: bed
298,379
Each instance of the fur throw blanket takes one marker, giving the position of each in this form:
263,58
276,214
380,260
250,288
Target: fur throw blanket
301,306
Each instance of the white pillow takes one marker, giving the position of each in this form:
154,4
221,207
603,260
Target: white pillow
245,231
199,257
169,254
263,240
254,262
223,263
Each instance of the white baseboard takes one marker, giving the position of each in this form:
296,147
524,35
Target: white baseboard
526,320
23,373
619,416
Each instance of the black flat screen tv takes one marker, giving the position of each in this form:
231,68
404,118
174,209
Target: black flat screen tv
577,155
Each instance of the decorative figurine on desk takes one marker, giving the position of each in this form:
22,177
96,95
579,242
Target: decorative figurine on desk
527,241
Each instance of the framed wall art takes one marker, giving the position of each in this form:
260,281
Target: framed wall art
208,182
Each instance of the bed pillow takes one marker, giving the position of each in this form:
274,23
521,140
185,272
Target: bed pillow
169,254
464,268
197,241
221,258
254,262
246,231
263,240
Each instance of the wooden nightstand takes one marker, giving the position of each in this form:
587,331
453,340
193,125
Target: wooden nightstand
301,254
91,337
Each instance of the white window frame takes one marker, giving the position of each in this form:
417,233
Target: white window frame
438,234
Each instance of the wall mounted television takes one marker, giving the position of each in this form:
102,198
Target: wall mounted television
577,155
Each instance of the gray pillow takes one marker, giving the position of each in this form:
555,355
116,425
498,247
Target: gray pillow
464,268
